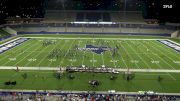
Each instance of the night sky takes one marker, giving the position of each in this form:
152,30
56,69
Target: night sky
155,9
152,9
93,4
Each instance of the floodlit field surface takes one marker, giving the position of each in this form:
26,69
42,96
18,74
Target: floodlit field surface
44,80
51,51
63,52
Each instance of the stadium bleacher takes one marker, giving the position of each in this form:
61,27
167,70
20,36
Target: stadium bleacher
106,17
93,16
95,27
80,16
81,96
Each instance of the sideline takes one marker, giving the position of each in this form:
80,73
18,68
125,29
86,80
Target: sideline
64,69
61,92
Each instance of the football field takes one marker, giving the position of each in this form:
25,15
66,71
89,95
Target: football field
153,61
45,80
119,53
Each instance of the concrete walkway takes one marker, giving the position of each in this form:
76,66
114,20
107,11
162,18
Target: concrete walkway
65,38
64,68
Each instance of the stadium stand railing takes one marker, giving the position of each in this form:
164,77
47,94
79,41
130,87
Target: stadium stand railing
117,24
95,27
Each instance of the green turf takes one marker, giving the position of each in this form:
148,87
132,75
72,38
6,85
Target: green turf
44,80
175,40
3,33
137,54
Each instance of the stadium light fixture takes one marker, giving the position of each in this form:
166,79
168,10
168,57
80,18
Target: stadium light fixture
93,23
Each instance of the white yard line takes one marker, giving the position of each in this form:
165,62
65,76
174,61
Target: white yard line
20,54
161,58
138,55
148,54
82,63
102,57
66,53
93,54
121,56
35,57
129,55
173,42
74,56
171,76
28,54
169,52
45,55
9,41
170,66
83,56
93,59
162,52
62,46
113,58
13,47
14,51
161,67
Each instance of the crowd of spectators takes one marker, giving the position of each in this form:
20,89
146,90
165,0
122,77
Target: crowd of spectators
84,97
